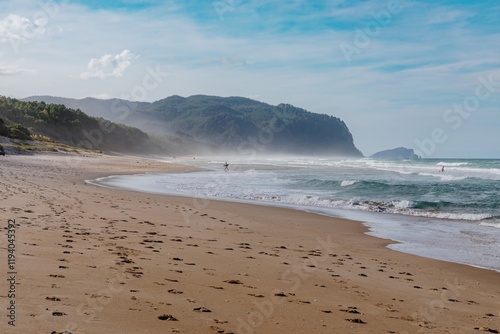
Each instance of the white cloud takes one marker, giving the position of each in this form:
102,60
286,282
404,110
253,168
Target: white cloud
232,61
108,66
448,17
15,28
13,70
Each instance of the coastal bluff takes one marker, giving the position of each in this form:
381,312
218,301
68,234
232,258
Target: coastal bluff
202,123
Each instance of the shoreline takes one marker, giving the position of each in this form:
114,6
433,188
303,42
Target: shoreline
366,218
98,260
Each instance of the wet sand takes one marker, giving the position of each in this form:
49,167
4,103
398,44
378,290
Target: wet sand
98,260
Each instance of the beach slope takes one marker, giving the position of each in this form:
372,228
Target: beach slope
96,260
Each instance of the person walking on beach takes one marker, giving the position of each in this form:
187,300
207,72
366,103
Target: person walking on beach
226,167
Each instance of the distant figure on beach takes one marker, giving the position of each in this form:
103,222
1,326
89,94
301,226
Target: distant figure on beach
442,169
226,167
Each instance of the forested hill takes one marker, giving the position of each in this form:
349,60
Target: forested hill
233,124
55,122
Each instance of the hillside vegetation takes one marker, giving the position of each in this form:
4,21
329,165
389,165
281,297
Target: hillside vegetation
232,124
55,122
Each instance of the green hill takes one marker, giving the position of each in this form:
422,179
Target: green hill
232,124
33,120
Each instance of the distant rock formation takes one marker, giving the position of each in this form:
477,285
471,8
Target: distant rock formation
398,153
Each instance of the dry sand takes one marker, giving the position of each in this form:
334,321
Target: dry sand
97,260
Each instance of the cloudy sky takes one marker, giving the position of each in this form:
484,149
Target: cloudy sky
419,74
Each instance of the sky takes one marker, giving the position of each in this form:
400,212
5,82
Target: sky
419,74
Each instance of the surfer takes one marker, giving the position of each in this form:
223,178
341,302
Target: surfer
442,169
226,167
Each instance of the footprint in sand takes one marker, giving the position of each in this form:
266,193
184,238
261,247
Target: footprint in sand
356,321
217,321
167,317
57,276
280,294
202,309
171,280
175,292
58,314
54,299
486,329
351,309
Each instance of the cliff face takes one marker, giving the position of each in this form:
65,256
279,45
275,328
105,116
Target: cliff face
232,124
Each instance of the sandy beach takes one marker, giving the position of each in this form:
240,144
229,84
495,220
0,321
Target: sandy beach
95,260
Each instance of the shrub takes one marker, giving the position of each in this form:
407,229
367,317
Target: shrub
17,131
4,130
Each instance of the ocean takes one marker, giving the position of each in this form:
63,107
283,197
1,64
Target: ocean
451,215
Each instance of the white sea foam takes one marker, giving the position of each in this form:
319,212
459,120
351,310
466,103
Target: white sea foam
403,204
497,225
452,164
346,183
452,216
444,177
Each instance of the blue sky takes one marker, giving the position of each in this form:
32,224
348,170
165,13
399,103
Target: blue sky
399,73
